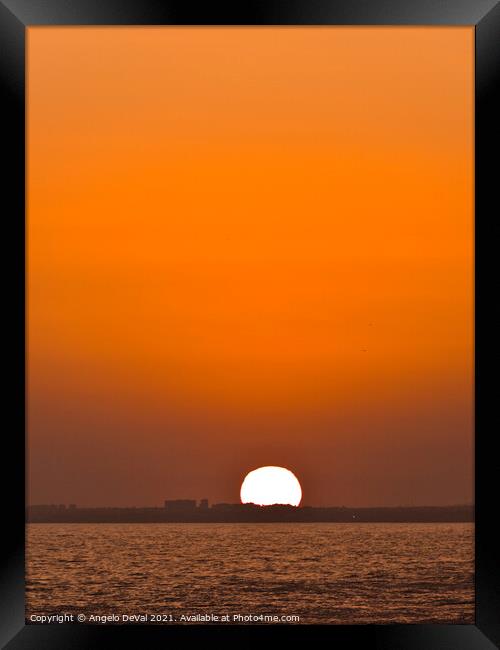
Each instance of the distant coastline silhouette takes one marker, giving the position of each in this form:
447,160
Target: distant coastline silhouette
188,511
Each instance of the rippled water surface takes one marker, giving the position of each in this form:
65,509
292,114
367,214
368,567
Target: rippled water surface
323,573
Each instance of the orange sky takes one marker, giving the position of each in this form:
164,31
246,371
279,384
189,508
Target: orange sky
250,246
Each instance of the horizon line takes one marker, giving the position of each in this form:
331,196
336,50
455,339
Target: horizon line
256,505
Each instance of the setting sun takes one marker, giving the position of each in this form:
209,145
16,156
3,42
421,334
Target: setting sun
267,486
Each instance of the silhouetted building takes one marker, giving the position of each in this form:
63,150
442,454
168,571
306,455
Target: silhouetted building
180,505
41,508
204,504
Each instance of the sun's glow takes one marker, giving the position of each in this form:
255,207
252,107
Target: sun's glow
270,485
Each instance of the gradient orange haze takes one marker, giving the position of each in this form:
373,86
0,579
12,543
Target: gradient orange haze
250,246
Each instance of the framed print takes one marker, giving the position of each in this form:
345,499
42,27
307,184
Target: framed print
251,331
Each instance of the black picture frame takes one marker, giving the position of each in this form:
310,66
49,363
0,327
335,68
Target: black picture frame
15,17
